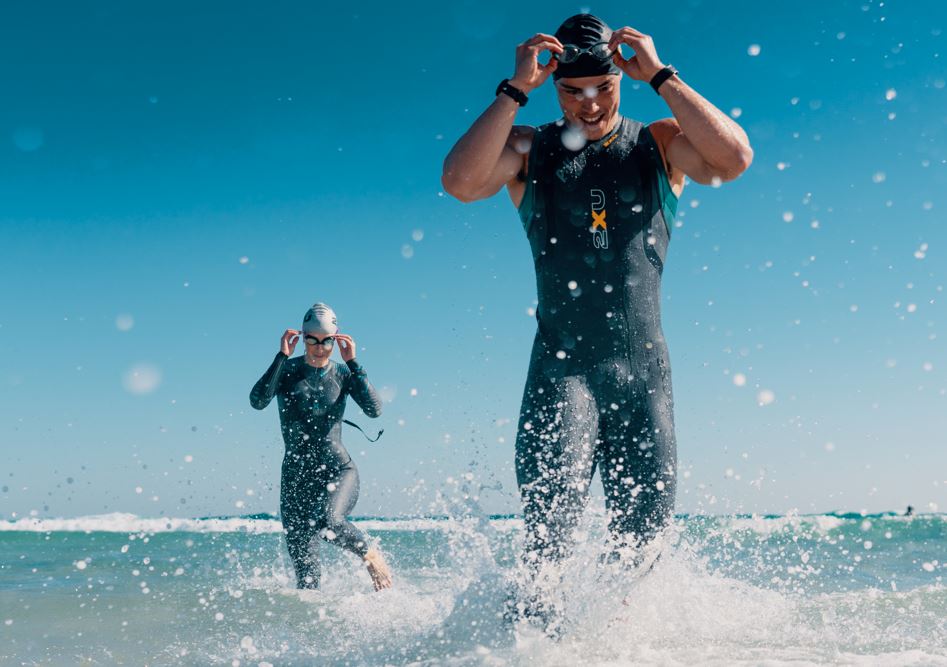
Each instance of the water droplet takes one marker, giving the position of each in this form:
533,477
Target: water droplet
141,379
573,139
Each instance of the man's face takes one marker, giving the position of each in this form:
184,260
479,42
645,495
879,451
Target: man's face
590,103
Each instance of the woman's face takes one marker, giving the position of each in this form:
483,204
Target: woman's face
318,345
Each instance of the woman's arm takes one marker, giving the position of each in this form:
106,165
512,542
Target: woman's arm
268,386
362,390
358,385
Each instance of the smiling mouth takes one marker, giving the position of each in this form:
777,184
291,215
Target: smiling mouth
592,120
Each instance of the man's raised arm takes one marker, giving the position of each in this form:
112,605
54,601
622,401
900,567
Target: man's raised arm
488,155
700,140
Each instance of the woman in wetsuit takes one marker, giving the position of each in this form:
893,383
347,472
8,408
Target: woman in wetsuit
319,484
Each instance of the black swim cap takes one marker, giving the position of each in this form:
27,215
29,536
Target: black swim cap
584,30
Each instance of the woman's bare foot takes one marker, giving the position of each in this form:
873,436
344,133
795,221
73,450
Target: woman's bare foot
378,569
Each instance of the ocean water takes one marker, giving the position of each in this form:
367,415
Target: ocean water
747,590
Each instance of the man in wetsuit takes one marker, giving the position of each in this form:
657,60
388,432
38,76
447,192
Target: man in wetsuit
597,194
319,484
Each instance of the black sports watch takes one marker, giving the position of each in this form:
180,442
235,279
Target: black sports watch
518,95
663,75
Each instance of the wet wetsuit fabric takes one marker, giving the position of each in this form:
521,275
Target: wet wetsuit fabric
598,391
319,484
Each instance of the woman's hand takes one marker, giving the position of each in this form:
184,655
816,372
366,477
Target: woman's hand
288,342
346,346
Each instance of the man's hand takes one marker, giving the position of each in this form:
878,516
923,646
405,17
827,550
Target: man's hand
645,63
529,73
346,346
288,342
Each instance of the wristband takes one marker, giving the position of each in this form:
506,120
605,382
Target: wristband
663,75
518,95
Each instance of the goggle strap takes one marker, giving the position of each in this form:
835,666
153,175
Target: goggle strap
375,439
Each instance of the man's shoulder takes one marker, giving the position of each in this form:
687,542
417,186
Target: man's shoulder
520,137
551,126
663,130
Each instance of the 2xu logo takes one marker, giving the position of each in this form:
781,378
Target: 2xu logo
599,228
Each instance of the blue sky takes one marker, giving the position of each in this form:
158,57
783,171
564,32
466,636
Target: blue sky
179,184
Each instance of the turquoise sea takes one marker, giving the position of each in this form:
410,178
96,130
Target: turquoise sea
119,589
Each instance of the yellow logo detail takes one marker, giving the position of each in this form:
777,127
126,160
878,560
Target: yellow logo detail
598,219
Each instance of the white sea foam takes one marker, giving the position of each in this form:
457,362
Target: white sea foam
705,602
120,522
767,525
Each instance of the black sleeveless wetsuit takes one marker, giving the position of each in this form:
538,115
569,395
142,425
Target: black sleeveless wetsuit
598,393
319,485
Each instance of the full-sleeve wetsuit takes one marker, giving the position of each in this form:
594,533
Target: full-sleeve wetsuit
598,392
319,485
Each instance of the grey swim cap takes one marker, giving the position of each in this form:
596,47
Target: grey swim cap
320,319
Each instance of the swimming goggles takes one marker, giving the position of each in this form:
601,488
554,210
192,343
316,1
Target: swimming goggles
327,341
571,52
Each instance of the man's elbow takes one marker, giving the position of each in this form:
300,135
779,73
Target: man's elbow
457,187
744,158
732,168
739,162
